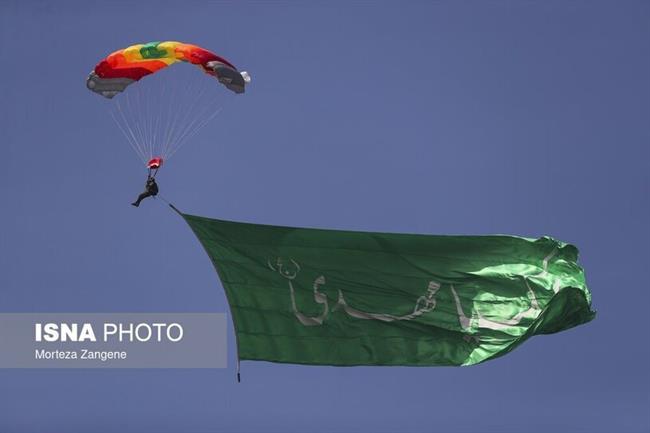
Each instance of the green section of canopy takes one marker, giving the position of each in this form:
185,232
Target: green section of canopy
332,297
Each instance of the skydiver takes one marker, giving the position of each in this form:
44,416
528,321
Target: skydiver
150,190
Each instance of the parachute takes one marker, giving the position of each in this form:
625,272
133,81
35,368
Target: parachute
158,115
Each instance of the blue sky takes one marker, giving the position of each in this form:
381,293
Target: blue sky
526,118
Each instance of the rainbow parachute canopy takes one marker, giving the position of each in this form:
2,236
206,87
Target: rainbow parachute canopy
124,67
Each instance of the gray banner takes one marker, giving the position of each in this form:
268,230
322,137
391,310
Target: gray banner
113,340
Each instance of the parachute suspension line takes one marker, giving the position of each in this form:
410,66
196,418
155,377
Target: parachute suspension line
167,120
126,134
141,116
201,116
210,109
155,121
159,117
130,135
131,115
147,122
201,119
128,138
179,114
130,118
190,134
126,117
162,123
188,115
175,117
149,118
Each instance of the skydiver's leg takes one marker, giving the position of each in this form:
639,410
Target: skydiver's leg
140,198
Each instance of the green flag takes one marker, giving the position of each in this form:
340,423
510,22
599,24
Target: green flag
310,296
